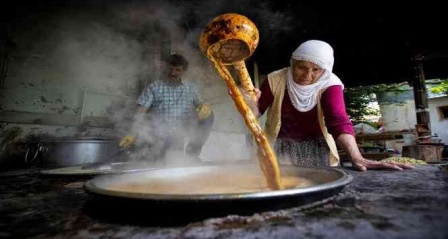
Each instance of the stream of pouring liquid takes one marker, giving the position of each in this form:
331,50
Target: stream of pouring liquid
266,156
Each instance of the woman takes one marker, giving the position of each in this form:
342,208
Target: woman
306,112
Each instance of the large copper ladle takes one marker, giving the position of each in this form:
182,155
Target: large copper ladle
228,40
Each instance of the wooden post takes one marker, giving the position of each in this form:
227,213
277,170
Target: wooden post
423,127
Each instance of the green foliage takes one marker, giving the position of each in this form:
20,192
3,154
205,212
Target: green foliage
357,101
442,88
373,124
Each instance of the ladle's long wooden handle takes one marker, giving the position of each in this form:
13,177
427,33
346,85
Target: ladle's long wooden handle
267,158
244,76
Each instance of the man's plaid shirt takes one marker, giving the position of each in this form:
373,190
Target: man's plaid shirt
170,105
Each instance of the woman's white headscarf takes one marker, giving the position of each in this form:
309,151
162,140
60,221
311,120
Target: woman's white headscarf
304,97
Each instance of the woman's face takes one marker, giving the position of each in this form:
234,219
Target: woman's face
305,72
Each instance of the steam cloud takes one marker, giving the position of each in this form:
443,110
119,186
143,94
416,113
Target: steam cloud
114,47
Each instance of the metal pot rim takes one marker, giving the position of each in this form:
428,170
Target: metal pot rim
79,139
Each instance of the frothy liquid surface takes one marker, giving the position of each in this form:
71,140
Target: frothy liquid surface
204,183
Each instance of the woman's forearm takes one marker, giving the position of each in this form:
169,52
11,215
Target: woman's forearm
348,143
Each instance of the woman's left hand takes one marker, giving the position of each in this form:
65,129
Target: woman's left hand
364,164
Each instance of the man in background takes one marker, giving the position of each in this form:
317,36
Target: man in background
170,114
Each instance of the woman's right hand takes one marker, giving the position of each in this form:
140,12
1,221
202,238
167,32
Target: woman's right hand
247,96
257,93
253,104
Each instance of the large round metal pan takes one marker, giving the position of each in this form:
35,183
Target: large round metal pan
215,183
190,194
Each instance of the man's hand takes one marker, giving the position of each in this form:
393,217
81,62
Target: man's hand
127,141
204,111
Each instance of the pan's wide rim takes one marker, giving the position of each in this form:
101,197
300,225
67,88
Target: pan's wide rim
77,170
343,179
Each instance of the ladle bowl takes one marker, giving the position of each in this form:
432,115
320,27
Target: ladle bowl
229,38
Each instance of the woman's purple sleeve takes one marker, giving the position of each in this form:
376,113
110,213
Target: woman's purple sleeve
336,118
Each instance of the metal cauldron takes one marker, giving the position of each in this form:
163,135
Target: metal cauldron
72,151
